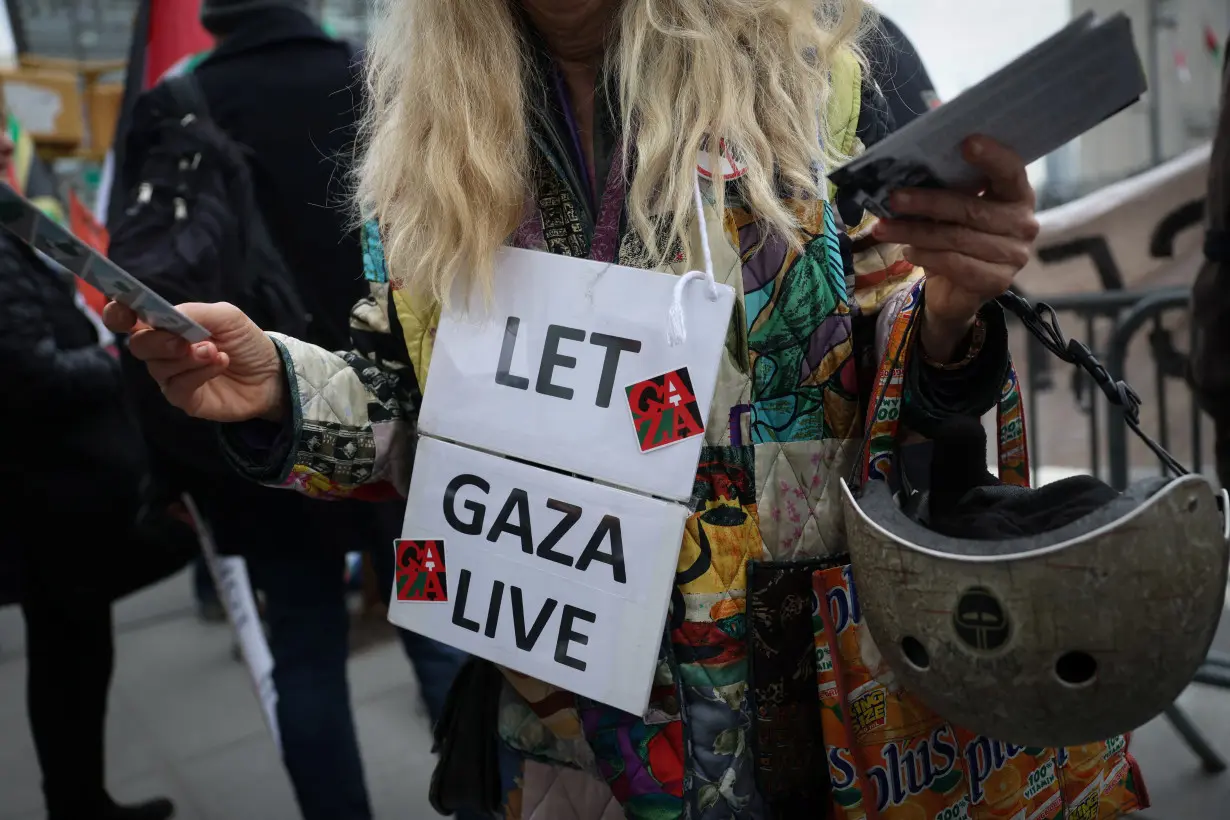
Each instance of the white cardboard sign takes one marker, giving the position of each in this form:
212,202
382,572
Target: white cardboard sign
541,373
560,578
230,574
547,572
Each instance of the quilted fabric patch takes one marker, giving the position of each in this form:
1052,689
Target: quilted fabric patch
374,267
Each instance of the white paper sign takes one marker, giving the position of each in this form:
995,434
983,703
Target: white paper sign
556,577
541,375
230,574
551,574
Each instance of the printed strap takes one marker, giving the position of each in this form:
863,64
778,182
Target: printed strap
884,409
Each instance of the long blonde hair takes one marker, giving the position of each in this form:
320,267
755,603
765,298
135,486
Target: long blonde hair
446,166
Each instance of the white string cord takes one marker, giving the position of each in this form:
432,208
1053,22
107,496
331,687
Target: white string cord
676,329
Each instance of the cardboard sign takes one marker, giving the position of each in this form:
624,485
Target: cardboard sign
230,575
556,577
542,466
542,374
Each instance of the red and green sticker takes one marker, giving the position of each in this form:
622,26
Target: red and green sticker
420,571
664,410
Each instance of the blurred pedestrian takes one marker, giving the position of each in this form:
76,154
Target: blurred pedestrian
1211,294
72,473
280,87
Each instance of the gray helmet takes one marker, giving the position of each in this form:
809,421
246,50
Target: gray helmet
1055,638
1058,639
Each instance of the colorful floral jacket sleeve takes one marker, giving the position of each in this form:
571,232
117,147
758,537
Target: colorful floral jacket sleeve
352,413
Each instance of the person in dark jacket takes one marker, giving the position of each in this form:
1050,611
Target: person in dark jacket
899,71
1210,357
68,517
278,85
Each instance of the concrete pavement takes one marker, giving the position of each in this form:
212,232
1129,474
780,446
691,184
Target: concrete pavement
185,723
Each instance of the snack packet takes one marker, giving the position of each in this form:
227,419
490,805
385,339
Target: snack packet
1100,781
891,758
1009,782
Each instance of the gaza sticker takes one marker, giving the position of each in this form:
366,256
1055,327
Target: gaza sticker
664,410
420,571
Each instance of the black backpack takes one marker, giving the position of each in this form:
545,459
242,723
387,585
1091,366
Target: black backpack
191,228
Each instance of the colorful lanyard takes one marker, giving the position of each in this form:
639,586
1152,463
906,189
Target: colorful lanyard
884,409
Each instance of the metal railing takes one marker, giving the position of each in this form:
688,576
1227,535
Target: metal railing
1170,366
1127,314
1110,322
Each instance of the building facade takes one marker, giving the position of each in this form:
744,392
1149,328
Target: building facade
1180,111
960,40
100,29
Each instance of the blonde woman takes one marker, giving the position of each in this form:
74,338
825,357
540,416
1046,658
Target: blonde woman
580,127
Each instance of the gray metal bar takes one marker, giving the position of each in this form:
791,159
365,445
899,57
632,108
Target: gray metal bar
1105,303
1163,406
1033,417
1197,418
1126,328
1213,762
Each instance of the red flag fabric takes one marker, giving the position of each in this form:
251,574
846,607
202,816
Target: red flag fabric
174,33
83,224
86,228
1212,43
165,34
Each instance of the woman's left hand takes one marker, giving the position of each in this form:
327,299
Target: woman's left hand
970,246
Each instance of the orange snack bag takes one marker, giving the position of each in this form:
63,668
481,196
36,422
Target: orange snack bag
890,757
1100,781
1010,782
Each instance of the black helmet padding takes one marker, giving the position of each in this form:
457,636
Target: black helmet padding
966,501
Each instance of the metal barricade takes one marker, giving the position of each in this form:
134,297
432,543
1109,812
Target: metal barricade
1169,366
1109,322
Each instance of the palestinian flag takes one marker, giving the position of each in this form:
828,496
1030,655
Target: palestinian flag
167,38
30,176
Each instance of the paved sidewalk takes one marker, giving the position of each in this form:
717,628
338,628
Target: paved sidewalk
184,723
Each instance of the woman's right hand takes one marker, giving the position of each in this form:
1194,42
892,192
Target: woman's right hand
235,375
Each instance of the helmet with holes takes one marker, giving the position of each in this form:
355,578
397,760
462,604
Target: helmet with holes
1051,617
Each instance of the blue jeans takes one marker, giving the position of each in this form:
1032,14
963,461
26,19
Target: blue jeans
309,628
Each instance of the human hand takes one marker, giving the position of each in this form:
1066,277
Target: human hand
970,245
235,375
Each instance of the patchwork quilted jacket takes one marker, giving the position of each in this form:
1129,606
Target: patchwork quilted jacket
733,729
